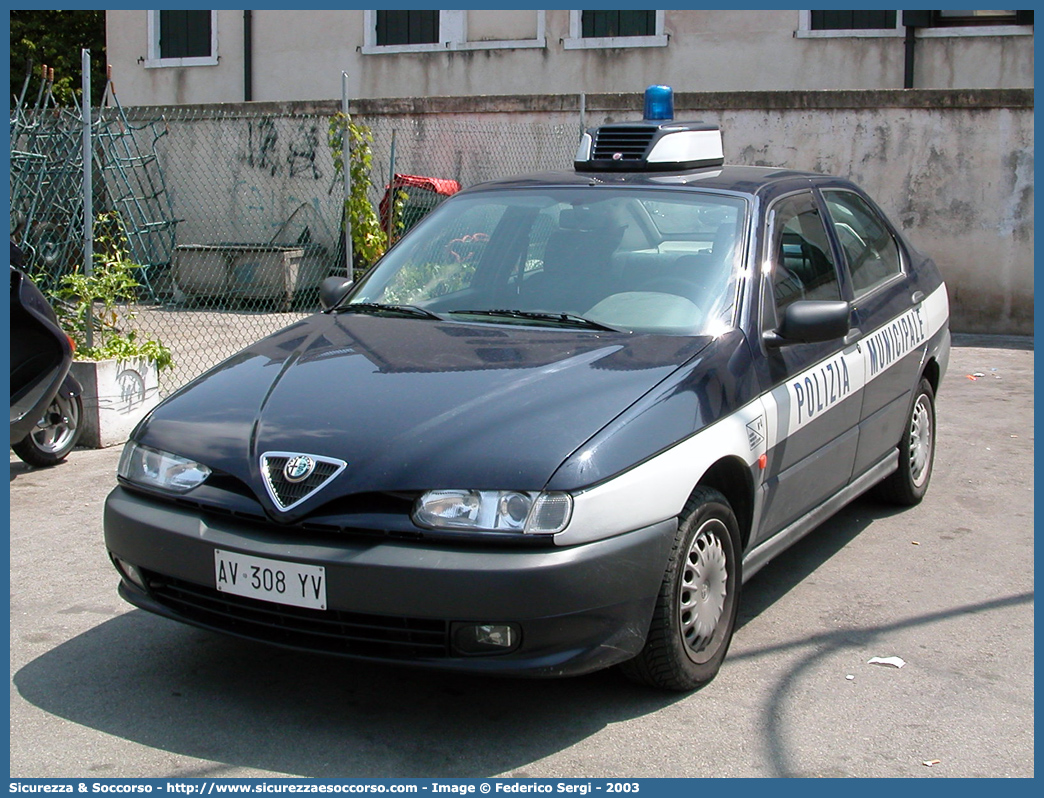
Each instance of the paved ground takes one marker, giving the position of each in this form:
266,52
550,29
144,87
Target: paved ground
103,690
199,339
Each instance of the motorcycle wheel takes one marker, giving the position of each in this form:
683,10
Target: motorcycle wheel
55,434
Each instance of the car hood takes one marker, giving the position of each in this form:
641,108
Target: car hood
413,404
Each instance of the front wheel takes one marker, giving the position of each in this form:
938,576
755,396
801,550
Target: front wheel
55,434
908,484
696,608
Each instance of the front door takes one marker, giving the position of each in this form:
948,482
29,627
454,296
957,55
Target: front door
813,390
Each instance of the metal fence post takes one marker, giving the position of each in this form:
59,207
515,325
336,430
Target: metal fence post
88,188
346,160
391,190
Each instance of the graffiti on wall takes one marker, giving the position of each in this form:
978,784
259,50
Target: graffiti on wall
292,154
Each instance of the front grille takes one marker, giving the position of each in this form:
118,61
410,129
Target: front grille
330,631
287,494
630,142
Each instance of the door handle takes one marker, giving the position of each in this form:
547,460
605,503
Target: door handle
917,296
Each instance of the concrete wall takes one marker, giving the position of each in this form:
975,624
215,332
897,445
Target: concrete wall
301,55
954,169
957,180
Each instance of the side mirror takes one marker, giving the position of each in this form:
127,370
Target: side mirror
332,290
811,321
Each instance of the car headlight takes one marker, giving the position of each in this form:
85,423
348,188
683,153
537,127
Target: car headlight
152,468
532,513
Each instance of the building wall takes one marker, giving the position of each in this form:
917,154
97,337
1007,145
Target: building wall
954,169
301,56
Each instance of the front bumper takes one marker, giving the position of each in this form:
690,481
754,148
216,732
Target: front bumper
579,609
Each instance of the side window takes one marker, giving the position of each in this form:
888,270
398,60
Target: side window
802,266
870,249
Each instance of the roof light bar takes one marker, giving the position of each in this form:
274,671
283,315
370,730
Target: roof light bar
655,144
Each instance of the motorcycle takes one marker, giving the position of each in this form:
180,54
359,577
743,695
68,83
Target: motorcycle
46,401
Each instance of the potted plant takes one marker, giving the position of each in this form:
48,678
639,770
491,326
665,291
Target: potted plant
119,371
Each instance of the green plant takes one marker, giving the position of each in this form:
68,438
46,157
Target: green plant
55,38
103,299
369,238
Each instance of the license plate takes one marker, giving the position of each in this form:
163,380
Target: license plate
270,580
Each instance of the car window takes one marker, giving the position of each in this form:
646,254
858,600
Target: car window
695,221
642,260
870,249
802,266
443,263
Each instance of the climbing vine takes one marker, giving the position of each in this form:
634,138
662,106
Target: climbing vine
369,238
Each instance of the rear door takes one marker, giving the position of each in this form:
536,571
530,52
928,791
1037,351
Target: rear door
887,311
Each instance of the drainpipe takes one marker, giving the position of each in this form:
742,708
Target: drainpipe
911,21
908,71
248,56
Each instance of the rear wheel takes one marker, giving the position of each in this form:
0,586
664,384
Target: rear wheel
696,609
55,434
908,484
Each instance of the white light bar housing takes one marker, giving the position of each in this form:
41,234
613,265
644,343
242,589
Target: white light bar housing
687,147
650,147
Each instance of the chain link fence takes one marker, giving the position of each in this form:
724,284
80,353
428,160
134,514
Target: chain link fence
47,186
233,216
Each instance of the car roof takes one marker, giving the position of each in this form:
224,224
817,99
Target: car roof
749,180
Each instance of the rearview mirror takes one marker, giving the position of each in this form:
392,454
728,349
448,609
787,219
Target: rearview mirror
811,321
332,290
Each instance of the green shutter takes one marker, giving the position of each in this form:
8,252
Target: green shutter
185,34
407,27
852,20
599,24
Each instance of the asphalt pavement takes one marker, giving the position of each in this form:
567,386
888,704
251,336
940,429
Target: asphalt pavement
100,689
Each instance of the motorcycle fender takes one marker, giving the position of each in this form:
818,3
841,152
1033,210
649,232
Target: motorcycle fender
70,386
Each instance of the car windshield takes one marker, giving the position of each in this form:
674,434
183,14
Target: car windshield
604,257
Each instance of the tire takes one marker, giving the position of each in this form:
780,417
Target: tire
908,484
55,436
695,612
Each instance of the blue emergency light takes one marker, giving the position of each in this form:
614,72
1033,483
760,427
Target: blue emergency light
659,104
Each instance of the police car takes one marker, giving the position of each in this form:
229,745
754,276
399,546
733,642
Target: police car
558,425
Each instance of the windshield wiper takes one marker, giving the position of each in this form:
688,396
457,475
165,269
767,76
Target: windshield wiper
377,307
568,319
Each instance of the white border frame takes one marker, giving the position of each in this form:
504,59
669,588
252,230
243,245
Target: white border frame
453,36
153,59
804,30
577,42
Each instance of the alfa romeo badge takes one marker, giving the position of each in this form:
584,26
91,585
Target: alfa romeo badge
298,468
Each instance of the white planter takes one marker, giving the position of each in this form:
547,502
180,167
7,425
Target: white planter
116,396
